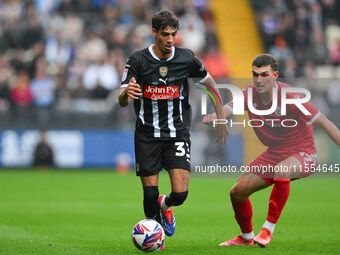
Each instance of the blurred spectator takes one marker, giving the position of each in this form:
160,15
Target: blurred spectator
93,49
315,15
33,33
5,74
20,91
43,86
333,92
330,10
57,51
193,31
290,70
334,53
54,25
216,63
281,52
46,7
332,33
317,51
11,9
43,153
100,78
72,29
269,27
4,97
308,28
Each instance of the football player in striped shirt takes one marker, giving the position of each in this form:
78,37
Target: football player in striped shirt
156,80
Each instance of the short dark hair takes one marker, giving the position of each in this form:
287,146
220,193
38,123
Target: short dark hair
163,19
266,60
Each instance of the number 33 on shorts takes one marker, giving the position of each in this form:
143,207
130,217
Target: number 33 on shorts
183,149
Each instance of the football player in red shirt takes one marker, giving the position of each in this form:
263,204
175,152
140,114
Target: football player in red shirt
291,152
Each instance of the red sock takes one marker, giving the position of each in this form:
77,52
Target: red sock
243,215
278,199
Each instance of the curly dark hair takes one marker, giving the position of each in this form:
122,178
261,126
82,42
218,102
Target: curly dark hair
163,19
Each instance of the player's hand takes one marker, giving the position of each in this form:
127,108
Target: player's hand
209,119
133,89
222,132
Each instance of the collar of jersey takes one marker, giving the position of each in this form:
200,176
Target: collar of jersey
155,57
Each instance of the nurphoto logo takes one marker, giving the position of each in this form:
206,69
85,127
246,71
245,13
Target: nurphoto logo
238,106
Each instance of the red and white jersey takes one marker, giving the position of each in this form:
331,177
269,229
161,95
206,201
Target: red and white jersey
273,130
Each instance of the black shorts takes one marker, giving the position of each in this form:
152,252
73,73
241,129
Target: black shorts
154,154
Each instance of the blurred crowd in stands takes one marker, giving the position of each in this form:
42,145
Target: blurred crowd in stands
304,35
64,58
68,55
300,33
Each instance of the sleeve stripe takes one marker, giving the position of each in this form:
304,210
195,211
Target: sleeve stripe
313,119
205,78
124,85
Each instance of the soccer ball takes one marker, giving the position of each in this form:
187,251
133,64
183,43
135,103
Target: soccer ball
148,235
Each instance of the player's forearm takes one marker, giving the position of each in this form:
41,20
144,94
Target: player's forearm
123,98
221,130
226,113
333,132
218,108
330,129
211,86
216,100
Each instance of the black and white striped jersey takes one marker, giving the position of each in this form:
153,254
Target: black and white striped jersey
163,111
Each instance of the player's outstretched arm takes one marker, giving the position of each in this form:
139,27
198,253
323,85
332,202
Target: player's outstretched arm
131,91
221,129
328,126
209,118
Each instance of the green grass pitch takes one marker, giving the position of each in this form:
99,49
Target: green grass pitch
93,212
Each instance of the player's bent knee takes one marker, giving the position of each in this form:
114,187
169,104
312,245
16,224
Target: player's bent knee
237,194
233,192
178,198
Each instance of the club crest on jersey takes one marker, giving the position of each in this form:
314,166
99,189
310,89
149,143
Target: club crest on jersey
163,71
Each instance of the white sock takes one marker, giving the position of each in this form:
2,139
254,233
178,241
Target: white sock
248,236
270,226
165,207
